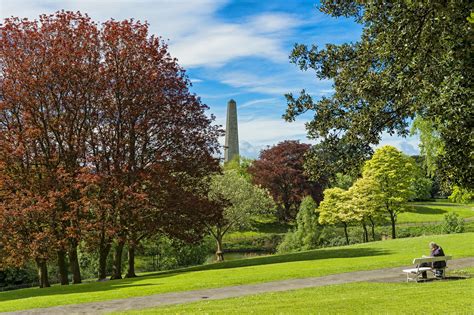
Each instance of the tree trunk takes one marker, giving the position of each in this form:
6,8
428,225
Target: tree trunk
117,267
372,223
219,251
131,262
392,218
74,261
62,268
345,233
366,233
103,254
42,273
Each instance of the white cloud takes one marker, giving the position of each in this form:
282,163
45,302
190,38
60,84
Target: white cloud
408,145
196,36
264,101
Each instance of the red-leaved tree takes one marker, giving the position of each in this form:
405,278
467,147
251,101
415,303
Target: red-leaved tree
280,170
101,122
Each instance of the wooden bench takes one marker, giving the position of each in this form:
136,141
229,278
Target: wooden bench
417,272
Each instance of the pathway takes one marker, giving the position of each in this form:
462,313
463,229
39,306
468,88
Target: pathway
380,275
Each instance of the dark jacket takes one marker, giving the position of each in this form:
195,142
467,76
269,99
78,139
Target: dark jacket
438,252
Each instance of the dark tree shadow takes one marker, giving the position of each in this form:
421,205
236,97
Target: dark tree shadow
425,210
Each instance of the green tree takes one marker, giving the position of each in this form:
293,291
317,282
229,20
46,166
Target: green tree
366,203
461,195
242,203
335,209
393,173
307,232
413,58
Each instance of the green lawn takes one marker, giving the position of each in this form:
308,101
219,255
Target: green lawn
433,211
438,297
254,270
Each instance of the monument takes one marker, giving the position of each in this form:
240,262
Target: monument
231,147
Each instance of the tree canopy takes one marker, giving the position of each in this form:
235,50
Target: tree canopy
280,169
393,174
101,142
241,201
413,58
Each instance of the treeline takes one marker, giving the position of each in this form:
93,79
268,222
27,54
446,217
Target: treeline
101,144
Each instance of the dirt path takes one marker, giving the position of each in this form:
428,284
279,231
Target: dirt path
379,275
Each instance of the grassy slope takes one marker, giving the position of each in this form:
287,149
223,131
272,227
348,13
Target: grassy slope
254,270
439,297
433,211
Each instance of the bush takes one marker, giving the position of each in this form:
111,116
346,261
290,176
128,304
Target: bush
461,195
453,223
422,188
15,278
164,253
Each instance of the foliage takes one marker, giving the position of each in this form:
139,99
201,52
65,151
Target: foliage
413,58
241,164
453,223
280,170
421,186
393,173
343,181
306,234
461,195
164,253
431,144
101,141
241,200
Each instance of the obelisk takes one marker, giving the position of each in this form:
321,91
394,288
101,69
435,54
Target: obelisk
231,148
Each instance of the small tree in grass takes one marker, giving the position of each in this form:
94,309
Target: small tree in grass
242,201
335,209
393,174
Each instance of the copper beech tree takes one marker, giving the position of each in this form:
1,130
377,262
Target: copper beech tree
280,169
99,135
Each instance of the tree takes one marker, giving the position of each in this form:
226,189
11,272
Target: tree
335,209
413,58
280,170
393,173
366,203
307,232
242,202
100,132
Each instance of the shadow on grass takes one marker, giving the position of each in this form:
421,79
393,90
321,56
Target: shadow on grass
425,210
326,253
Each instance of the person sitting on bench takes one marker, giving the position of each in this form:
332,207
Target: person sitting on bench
435,250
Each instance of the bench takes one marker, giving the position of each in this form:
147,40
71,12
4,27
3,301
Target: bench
417,272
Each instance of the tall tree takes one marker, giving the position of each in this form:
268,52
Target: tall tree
102,124
280,170
394,173
413,58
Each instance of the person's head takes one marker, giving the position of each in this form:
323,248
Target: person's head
433,245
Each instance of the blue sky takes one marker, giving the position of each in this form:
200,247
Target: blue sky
232,49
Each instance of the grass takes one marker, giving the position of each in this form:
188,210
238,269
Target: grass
254,270
438,297
434,211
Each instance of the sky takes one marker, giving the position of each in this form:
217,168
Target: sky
233,50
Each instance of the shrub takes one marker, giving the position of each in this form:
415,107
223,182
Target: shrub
453,223
461,195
